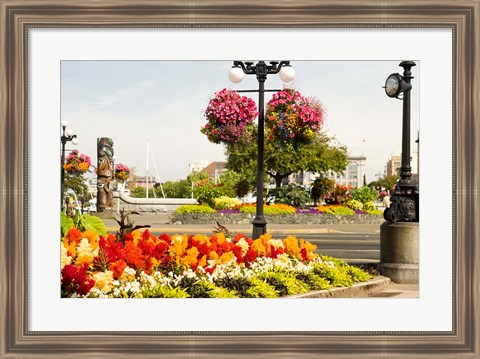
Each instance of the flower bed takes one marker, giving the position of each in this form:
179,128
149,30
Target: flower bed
141,265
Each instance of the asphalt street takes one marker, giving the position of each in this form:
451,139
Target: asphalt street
359,244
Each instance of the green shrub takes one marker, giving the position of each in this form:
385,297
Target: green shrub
321,187
284,282
292,195
369,206
261,289
339,195
194,208
354,204
364,194
206,191
162,291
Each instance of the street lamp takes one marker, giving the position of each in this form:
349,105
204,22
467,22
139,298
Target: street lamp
67,136
261,69
404,202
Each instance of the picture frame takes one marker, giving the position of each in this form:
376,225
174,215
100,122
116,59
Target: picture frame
19,16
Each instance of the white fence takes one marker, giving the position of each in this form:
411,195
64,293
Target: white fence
148,205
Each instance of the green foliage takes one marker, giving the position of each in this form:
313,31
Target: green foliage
261,289
357,274
83,222
364,194
205,192
141,192
76,183
126,225
321,187
235,184
369,207
176,189
162,291
65,223
335,275
284,282
273,209
354,204
387,183
239,285
321,155
339,210
314,281
292,195
194,208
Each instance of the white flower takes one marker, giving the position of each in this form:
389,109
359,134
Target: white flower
276,243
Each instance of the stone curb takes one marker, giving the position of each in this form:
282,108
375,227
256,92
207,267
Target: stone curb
358,290
195,230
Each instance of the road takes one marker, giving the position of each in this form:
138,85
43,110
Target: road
359,244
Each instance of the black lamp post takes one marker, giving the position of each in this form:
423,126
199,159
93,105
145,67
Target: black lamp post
67,136
404,202
261,69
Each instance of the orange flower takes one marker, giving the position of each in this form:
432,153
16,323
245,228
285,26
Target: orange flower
117,268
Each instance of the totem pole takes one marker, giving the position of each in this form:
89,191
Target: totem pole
105,173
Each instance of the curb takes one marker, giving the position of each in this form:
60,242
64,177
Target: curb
193,230
358,290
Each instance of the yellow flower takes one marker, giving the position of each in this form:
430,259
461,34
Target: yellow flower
103,281
203,261
291,246
190,257
309,248
258,247
92,237
64,255
227,257
85,252
213,256
276,243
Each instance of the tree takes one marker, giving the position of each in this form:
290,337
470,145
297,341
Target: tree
387,182
235,184
281,161
76,183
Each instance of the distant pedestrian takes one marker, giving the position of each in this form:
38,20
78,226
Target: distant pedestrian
386,201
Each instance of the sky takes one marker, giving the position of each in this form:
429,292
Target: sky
162,102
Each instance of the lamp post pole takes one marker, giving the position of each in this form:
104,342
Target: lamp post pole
259,222
67,136
260,70
404,207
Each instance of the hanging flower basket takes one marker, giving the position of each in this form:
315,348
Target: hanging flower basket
121,172
293,118
76,163
229,118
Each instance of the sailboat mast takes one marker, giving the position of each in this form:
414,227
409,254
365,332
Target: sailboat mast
147,172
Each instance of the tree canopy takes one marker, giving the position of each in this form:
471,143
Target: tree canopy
281,161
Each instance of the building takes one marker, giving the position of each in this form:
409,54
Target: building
393,165
395,162
197,167
213,169
353,174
